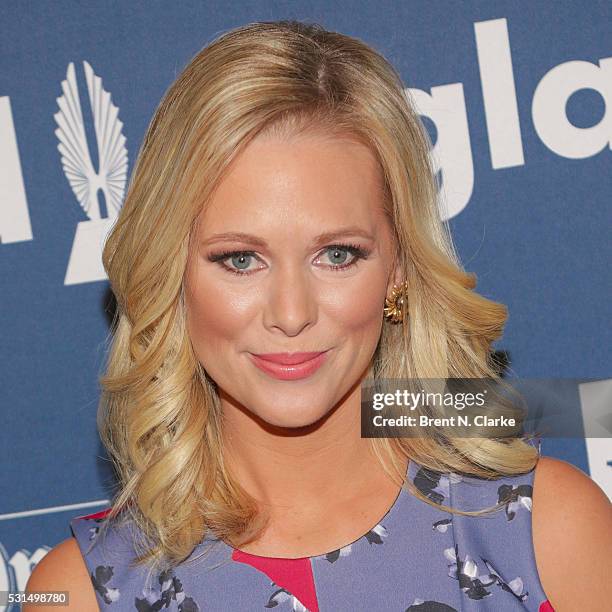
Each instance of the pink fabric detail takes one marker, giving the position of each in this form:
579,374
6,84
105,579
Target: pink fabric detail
546,607
295,575
95,515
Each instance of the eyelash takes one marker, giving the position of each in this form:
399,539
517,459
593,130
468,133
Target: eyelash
355,250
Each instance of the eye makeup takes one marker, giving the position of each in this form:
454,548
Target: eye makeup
356,251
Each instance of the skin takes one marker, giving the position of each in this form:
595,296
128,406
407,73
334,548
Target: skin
295,445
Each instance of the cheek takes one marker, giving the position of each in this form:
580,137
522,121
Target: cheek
215,319
358,306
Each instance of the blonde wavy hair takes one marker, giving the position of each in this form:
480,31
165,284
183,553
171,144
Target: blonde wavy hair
159,415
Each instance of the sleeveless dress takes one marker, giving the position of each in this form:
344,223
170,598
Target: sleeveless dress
415,559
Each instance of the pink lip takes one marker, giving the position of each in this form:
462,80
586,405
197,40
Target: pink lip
289,366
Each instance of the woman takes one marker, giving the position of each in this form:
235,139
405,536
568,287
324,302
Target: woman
280,245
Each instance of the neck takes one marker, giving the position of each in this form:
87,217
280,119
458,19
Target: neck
300,469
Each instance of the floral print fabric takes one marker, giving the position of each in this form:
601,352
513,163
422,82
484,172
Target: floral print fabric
415,559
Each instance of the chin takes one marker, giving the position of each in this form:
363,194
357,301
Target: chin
291,417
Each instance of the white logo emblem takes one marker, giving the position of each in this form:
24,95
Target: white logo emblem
85,263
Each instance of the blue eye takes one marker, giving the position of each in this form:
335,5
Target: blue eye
338,255
238,258
242,259
342,254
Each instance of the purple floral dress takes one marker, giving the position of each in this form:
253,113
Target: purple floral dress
415,559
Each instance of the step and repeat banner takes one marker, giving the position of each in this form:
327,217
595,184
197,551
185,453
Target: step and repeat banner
517,99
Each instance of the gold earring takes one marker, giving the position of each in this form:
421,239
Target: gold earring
395,303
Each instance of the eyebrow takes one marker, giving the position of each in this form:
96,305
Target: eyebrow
320,240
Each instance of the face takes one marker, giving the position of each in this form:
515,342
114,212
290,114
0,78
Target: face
309,273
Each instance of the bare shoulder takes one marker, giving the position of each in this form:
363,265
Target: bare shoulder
63,569
572,537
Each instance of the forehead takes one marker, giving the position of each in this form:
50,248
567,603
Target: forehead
310,179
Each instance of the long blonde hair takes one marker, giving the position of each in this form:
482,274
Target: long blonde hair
159,414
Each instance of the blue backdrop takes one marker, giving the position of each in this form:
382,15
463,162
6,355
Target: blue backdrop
517,97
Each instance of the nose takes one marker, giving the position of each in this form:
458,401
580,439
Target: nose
291,304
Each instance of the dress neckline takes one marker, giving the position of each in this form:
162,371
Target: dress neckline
237,553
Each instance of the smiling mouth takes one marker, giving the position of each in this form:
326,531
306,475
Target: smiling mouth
290,366
289,358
